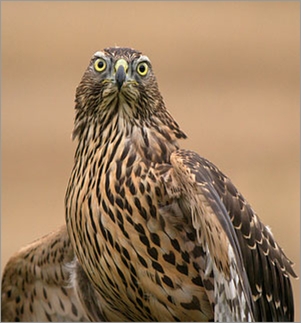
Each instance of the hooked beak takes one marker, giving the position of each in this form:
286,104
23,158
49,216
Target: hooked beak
121,68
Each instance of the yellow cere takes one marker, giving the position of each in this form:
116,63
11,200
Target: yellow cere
121,62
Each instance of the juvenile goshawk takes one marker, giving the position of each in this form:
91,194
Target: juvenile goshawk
153,232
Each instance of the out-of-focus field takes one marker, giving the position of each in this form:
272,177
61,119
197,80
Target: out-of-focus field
229,73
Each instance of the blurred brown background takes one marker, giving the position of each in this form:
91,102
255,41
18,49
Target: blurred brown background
229,73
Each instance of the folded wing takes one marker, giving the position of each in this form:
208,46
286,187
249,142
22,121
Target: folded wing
36,284
251,272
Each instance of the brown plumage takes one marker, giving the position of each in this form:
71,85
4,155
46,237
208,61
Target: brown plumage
157,233
36,282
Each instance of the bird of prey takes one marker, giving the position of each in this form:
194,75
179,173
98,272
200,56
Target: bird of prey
153,232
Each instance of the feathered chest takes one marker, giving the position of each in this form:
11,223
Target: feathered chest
113,194
111,188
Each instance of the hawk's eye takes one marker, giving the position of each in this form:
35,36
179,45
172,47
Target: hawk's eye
142,68
100,65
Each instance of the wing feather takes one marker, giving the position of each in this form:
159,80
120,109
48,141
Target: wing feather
255,250
36,282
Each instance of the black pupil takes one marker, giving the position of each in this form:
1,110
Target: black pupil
142,68
100,64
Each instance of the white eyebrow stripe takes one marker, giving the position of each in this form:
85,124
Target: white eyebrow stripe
143,58
99,54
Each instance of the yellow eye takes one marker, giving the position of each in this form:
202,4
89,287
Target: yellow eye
100,65
142,68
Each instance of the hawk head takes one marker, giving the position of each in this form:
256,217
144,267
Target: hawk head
119,81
